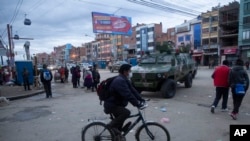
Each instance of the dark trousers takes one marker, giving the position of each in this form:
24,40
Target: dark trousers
94,85
47,88
120,114
221,92
78,81
26,84
237,100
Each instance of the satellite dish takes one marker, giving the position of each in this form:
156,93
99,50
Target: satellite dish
27,21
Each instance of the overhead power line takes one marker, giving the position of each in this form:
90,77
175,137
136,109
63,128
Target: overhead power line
173,9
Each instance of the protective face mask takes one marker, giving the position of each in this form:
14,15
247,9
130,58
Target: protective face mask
130,74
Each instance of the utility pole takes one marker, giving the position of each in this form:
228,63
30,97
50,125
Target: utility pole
10,44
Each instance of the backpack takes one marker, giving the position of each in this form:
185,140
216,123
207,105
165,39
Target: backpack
103,89
46,75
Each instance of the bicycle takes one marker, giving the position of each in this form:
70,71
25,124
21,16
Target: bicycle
148,130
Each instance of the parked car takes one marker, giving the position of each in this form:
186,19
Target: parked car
85,65
116,66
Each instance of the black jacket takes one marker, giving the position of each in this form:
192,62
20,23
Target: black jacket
238,75
122,93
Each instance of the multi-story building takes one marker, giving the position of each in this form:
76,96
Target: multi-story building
59,54
129,43
228,31
171,35
146,37
244,30
44,58
189,34
210,37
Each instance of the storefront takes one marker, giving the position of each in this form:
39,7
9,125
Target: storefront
245,53
230,55
197,56
210,58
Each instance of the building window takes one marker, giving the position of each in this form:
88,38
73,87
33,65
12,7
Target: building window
247,6
150,29
205,20
151,44
214,18
246,35
246,20
150,36
213,41
180,39
205,30
213,29
187,37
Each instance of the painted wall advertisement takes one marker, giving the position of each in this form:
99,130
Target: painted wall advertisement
109,23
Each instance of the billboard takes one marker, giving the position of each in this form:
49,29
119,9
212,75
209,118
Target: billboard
109,23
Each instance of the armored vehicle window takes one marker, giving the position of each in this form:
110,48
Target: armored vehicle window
148,59
164,59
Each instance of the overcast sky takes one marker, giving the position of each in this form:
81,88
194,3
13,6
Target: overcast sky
58,22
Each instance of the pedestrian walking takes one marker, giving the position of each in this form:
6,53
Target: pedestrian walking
239,83
74,76
220,76
96,77
78,75
247,65
83,76
46,78
62,74
66,74
25,75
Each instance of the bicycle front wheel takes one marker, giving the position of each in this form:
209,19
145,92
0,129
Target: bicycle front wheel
155,132
97,131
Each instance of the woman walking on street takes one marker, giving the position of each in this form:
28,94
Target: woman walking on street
239,82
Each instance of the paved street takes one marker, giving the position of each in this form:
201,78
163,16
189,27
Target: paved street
62,117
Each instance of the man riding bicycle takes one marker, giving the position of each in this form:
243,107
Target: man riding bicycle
122,92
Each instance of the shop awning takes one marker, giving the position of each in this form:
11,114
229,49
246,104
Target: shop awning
194,55
230,50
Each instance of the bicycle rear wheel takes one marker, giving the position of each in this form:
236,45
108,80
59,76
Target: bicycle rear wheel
159,132
97,131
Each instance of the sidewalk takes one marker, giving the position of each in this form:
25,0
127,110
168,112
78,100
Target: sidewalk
18,92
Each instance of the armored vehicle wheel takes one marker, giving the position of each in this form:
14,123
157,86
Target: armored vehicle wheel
168,88
189,81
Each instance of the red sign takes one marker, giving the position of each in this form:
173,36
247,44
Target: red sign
107,23
230,50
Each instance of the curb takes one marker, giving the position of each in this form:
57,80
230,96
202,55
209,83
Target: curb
25,96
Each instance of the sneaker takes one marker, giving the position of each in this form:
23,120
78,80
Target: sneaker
233,115
224,110
212,109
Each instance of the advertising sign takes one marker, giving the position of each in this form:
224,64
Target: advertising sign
109,23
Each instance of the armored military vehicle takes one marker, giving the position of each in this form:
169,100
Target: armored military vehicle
162,71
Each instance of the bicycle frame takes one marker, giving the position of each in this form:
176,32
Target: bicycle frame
140,118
